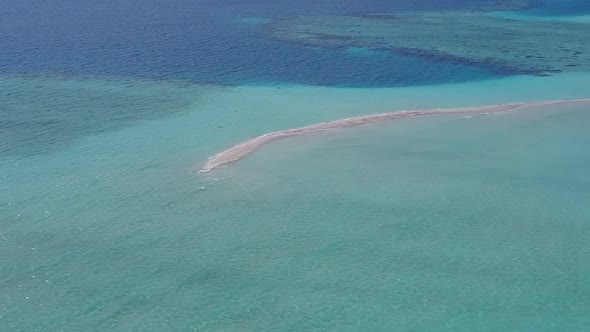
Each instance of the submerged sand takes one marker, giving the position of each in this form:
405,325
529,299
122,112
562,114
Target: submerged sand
243,149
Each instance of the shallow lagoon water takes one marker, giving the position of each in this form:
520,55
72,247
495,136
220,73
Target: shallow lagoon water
365,228
411,210
438,223
533,16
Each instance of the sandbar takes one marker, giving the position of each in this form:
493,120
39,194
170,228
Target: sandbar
245,148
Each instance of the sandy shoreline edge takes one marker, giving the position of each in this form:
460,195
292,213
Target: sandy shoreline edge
245,148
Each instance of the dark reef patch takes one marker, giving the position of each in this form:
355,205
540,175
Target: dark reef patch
503,46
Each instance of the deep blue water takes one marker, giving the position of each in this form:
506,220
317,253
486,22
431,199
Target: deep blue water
206,41
200,41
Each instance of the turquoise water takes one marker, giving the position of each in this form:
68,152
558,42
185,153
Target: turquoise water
431,224
533,16
436,223
448,223
572,11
